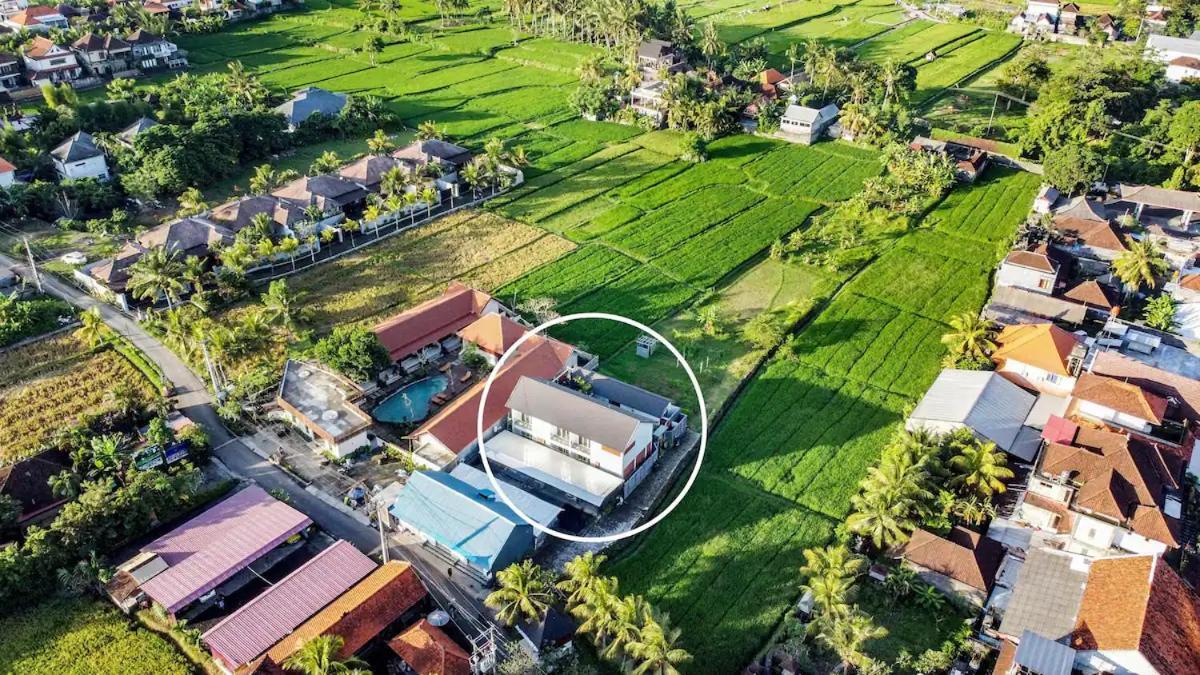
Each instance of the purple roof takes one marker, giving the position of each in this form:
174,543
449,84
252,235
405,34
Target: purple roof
274,614
208,549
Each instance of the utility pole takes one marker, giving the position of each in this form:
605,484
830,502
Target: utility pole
213,375
483,651
37,278
379,513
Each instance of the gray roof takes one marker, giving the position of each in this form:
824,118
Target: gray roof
1047,595
128,133
77,148
653,49
1149,195
802,113
325,400
574,412
1166,43
1085,209
985,401
309,101
624,394
1043,656
429,150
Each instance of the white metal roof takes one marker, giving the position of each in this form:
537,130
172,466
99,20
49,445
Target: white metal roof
990,405
552,468
542,512
1044,656
1166,43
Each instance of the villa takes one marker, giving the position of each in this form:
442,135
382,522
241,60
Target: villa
806,125
424,333
324,406
308,102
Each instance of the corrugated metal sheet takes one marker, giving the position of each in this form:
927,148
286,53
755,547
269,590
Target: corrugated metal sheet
254,628
208,549
1043,656
985,401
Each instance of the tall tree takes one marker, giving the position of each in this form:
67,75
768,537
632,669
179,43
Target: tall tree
522,592
319,656
582,573
847,637
157,274
282,307
656,650
970,336
1141,265
980,467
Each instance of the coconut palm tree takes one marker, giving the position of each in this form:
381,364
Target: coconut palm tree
596,609
473,175
836,560
624,627
266,178
1141,265
91,327
522,593
428,131
793,56
846,636
393,181
831,594
319,656
711,45
884,519
656,650
971,336
281,307
380,143
430,196
980,467
158,273
582,574
194,271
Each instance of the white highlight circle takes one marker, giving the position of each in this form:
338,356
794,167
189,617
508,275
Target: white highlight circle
487,386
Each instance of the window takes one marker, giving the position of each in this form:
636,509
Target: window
1044,283
1052,378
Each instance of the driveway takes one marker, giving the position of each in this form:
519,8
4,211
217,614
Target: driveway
194,400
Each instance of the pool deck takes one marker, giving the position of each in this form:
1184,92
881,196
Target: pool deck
450,367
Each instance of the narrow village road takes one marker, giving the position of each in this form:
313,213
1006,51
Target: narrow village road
194,400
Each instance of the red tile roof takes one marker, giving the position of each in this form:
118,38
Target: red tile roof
1138,603
6,166
429,651
455,425
1093,293
358,615
39,48
493,333
1098,234
212,547
1037,260
1160,381
251,630
1120,477
431,320
1190,282
1120,396
1042,345
1186,62
964,555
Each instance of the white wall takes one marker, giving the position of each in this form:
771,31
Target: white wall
1115,662
1181,73
1042,380
1093,532
351,444
1136,543
92,167
1099,412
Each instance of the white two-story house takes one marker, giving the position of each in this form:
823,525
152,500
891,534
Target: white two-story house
78,157
1032,270
582,451
48,62
1040,356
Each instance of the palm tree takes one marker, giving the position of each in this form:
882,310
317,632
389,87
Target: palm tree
596,609
327,162
834,560
792,55
265,178
91,327
428,131
281,307
158,273
473,175
981,467
393,181
656,649
108,456
523,593
831,594
885,520
517,156
624,627
971,336
846,637
194,271
930,598
430,197
191,202
319,656
1141,265
380,143
582,573
240,84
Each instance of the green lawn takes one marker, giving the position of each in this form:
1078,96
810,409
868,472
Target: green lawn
83,637
911,628
723,359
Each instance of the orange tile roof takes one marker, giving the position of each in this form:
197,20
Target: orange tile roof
493,333
1121,396
358,615
964,556
429,651
1190,282
1119,477
431,320
1138,603
455,425
1004,661
1042,345
6,166
39,48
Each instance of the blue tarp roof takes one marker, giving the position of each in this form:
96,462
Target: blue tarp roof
458,516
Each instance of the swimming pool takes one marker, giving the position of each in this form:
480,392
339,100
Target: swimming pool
410,404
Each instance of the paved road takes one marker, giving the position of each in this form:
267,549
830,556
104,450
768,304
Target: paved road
194,400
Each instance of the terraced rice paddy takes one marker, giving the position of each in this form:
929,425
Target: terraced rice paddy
611,220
